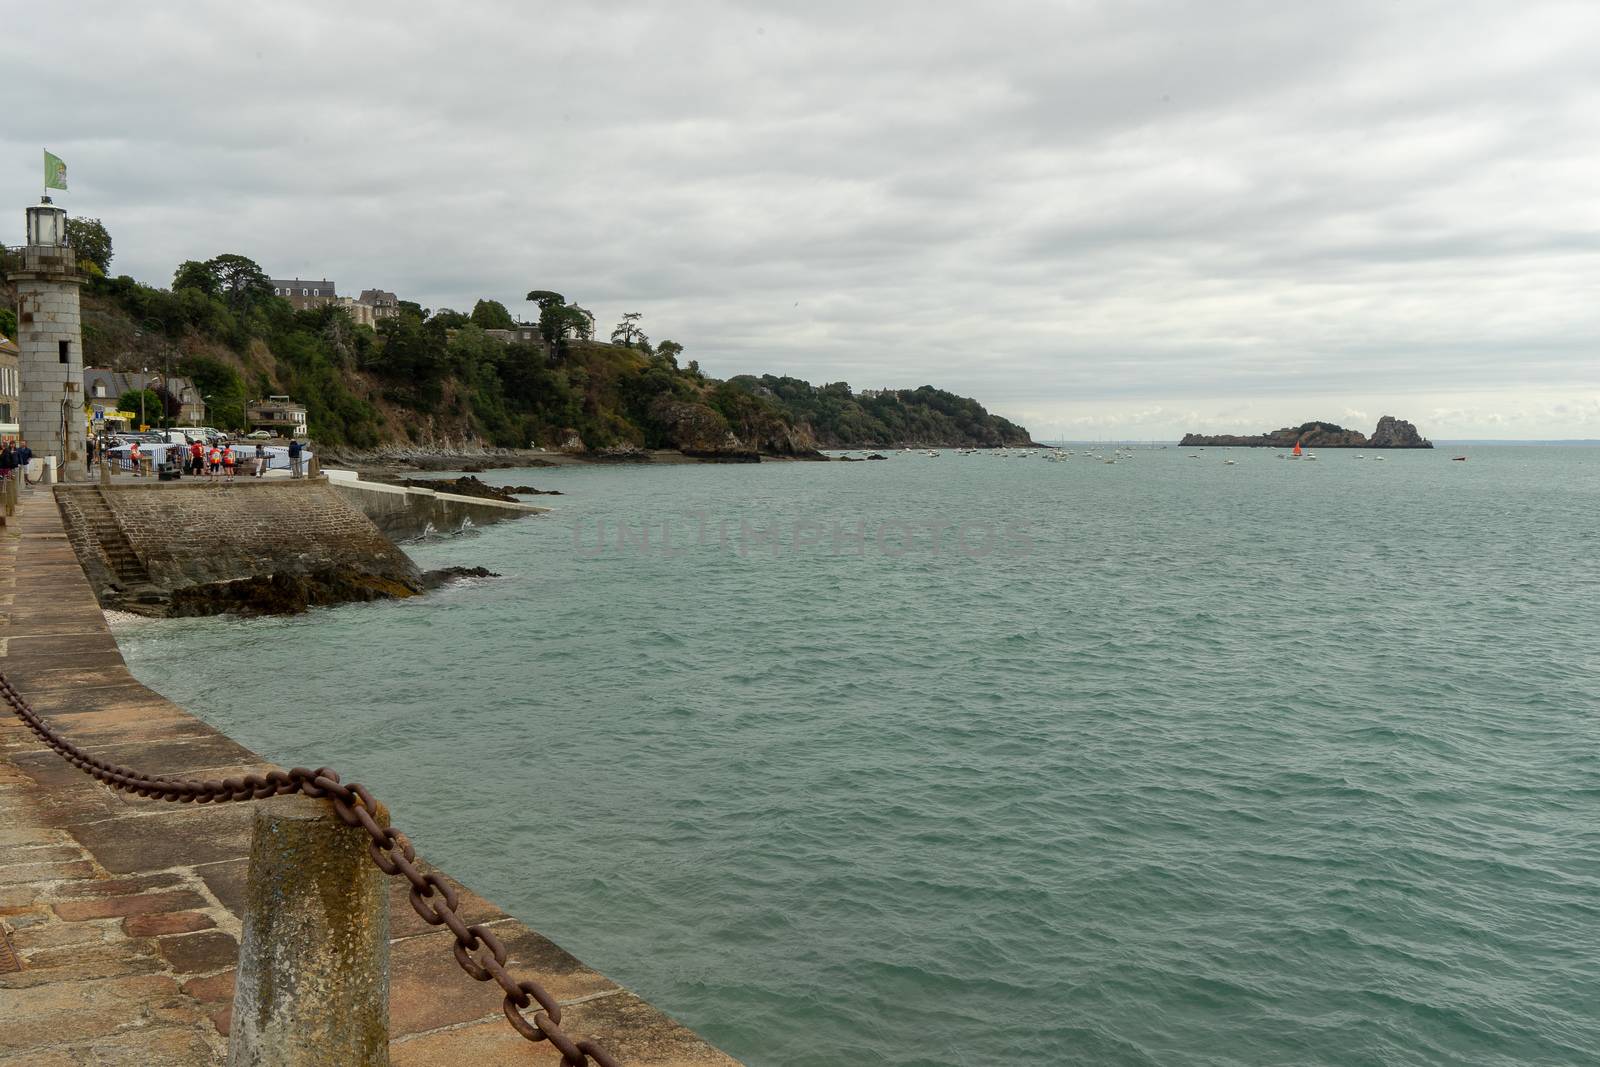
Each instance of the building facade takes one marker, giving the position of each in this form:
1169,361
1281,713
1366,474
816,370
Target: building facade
10,390
304,294
365,310
278,414
50,343
384,304
102,386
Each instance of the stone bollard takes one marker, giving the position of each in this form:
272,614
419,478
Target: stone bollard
313,980
105,470
314,468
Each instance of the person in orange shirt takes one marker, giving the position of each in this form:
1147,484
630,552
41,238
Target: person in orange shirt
227,461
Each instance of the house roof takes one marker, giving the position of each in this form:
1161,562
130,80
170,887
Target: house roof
304,283
118,382
373,296
8,346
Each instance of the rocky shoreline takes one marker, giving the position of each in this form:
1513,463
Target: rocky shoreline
1390,433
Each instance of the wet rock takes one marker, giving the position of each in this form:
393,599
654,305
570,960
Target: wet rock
444,575
286,594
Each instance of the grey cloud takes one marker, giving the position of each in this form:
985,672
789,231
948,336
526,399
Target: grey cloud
1096,214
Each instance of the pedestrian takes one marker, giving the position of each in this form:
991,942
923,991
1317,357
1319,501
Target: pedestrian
197,458
134,457
294,458
8,461
24,456
88,453
228,461
261,460
215,461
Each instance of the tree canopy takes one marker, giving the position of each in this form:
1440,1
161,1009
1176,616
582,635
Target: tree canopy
492,315
91,242
238,280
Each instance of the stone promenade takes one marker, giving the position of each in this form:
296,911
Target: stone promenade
119,917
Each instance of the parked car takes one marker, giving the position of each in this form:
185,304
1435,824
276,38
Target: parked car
260,435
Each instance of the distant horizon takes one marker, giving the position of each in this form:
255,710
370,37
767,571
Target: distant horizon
1586,441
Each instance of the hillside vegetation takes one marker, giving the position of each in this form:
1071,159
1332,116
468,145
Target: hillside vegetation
434,378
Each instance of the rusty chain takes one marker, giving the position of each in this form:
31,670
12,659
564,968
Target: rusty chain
432,898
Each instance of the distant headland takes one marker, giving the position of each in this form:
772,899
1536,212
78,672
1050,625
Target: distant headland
1391,433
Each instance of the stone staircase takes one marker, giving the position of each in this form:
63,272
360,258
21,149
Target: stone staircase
121,560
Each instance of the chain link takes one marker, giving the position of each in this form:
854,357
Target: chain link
432,898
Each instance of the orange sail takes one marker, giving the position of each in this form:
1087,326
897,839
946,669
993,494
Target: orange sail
1297,448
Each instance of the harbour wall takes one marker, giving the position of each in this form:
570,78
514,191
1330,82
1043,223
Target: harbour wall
406,513
120,916
140,544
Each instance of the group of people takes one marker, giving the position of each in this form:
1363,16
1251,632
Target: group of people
14,458
197,458
221,460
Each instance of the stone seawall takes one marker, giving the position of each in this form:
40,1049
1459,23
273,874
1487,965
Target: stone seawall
150,547
120,916
406,513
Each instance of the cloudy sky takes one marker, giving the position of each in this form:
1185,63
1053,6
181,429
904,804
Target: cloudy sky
1120,219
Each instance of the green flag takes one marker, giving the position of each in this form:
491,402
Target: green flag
55,171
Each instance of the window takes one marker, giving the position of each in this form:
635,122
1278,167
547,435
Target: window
99,389
65,350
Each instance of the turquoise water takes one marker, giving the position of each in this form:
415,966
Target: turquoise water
1174,762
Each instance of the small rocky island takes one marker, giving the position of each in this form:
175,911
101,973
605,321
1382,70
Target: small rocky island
1391,433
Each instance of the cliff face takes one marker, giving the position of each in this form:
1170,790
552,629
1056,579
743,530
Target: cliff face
1390,433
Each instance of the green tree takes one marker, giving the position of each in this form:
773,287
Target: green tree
192,274
240,280
451,320
153,409
492,315
92,243
559,320
669,351
627,332
222,387
8,322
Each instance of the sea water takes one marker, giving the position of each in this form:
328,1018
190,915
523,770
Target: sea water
978,759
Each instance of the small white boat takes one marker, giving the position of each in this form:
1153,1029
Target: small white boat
1228,462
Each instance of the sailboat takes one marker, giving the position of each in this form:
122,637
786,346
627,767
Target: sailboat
1296,453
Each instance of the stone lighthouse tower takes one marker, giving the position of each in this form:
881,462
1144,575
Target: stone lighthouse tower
50,339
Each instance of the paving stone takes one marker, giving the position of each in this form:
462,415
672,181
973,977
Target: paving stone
166,1047
212,989
137,904
118,887
29,938
175,922
199,953
45,872
50,1013
179,836
74,963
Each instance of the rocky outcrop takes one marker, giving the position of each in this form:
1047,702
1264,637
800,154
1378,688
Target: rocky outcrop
1396,433
280,594
1391,433
467,485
